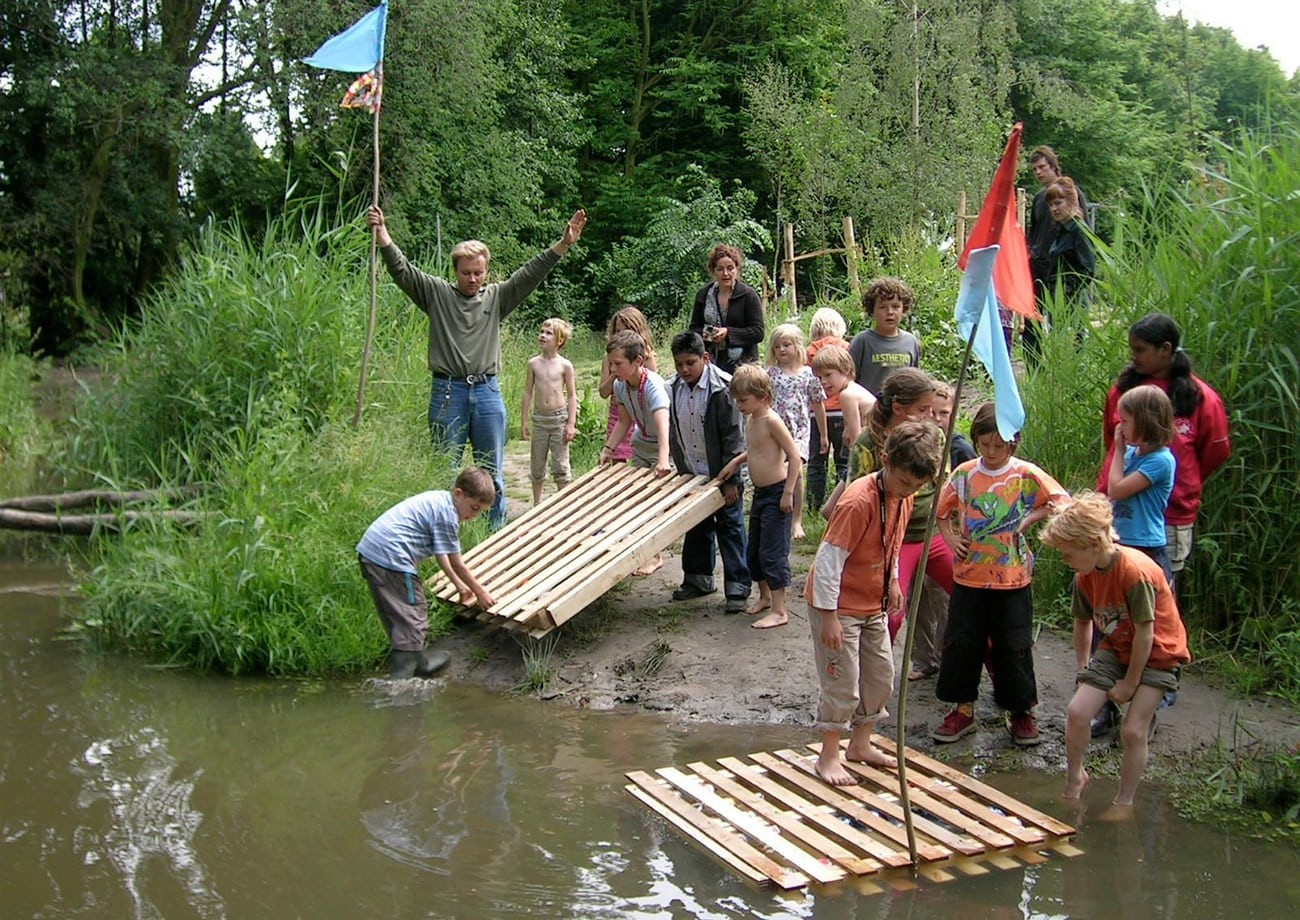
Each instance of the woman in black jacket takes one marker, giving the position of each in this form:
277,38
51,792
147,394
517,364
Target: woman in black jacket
728,313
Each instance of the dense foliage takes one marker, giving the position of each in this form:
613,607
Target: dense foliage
125,125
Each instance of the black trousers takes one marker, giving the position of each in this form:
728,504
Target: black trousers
997,622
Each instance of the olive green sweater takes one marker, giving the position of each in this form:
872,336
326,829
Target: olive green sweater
465,332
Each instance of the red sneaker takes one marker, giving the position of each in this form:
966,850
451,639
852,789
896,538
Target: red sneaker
1024,729
956,724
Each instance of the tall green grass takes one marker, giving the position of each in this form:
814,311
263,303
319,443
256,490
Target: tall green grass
25,437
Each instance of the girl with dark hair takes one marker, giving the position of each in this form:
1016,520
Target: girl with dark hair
1200,443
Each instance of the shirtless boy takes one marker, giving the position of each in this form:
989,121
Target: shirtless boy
774,468
552,396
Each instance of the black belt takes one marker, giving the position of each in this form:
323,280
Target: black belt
469,379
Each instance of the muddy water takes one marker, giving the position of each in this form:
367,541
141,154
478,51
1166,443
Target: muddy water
131,792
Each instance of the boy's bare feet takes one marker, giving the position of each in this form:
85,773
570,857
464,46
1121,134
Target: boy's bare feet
1116,813
759,605
652,566
796,533
833,771
869,754
774,618
1074,788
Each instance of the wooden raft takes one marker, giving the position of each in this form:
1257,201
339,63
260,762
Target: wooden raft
774,821
543,568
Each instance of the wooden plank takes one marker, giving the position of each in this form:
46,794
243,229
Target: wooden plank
821,815
783,877
854,809
532,548
757,827
1066,849
495,554
889,805
603,549
920,798
984,791
670,528
700,837
790,822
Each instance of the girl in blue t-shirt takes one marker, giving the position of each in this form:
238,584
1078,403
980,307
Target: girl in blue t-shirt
1141,474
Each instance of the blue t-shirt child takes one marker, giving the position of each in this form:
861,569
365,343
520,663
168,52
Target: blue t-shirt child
411,531
642,401
1140,518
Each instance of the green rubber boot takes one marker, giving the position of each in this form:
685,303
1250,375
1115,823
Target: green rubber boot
431,662
402,665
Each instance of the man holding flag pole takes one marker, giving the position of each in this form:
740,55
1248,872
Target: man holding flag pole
464,353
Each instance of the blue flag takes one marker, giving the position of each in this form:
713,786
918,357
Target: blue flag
357,49
976,301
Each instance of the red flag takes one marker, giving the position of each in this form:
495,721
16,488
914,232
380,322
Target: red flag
997,224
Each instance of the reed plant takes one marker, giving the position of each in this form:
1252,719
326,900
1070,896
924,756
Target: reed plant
25,437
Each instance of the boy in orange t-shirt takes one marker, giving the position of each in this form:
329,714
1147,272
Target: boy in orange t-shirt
852,585
998,497
1123,593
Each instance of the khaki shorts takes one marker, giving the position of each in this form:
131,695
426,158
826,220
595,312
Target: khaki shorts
857,680
1105,670
548,440
1178,542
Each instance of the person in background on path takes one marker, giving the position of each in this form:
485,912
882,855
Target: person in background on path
852,586
907,396
998,497
728,313
643,400
551,405
1064,269
1042,231
932,609
1139,482
882,349
706,435
796,395
826,328
944,406
1200,444
834,368
465,341
774,468
627,319
1120,593
391,551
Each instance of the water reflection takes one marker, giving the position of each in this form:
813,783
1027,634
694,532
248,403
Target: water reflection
126,791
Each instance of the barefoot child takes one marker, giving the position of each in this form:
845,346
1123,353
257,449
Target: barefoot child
796,396
1139,481
998,497
642,398
774,468
551,402
391,550
826,328
852,584
706,435
1120,592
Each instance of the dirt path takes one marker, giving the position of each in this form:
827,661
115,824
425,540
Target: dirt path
638,648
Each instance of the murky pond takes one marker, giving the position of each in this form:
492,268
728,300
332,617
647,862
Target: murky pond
132,792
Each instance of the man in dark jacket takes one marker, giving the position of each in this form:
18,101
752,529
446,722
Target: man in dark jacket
704,436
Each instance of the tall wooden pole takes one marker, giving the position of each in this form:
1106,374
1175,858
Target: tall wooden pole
914,600
788,268
374,283
851,256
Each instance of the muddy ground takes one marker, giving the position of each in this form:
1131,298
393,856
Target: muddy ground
691,661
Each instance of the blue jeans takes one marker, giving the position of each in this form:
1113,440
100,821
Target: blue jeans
727,526
459,411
